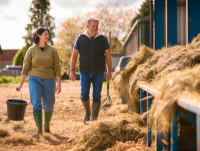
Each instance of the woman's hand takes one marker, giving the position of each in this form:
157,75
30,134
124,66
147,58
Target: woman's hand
18,88
23,77
58,88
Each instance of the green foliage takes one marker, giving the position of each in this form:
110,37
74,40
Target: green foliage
5,79
39,17
19,57
121,50
65,76
143,11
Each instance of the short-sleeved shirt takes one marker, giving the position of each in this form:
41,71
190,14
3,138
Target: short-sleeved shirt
77,43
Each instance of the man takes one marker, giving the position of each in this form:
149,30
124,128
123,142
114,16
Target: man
93,49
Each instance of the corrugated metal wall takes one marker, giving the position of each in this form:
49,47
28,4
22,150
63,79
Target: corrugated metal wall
132,44
139,37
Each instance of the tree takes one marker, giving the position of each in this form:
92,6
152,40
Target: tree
65,40
112,17
143,11
39,17
19,57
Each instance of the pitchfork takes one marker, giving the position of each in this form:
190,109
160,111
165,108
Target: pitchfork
108,102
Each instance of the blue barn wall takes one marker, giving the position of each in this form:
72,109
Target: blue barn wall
172,22
159,24
193,19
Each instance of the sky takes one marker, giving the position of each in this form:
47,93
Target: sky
14,16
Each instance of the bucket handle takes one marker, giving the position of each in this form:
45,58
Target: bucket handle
14,95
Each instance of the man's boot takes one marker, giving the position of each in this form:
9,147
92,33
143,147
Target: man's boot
95,110
47,122
86,105
38,119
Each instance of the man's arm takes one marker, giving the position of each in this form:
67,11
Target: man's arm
73,63
109,64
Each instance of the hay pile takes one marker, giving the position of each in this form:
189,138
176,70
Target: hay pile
150,66
116,82
131,146
102,134
171,88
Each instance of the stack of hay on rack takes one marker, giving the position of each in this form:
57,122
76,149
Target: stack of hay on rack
172,71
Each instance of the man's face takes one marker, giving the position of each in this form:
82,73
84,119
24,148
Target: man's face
93,27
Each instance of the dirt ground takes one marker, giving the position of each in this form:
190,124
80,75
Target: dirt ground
66,121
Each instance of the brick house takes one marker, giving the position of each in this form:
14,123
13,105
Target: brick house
7,56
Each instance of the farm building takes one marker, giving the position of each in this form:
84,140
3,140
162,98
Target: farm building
7,56
178,19
139,35
171,23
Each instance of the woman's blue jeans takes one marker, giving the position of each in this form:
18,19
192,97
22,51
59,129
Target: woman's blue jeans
97,80
42,93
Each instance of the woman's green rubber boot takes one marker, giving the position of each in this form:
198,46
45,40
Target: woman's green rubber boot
47,122
38,119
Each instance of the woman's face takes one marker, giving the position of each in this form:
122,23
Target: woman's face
45,36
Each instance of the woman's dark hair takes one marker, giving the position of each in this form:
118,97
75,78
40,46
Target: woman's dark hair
39,31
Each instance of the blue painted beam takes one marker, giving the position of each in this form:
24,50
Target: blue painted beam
172,22
160,135
141,102
149,100
174,131
198,132
159,24
188,116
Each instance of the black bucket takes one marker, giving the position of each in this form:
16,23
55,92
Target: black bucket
16,109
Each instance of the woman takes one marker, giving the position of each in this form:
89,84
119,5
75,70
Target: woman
41,63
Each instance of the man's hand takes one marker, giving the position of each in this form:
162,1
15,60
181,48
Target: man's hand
108,76
72,76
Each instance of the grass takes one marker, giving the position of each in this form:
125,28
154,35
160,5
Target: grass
8,79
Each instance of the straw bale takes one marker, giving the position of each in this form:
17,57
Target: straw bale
4,133
122,146
150,66
115,81
6,121
117,109
196,39
16,139
197,45
18,127
102,134
170,89
131,146
137,59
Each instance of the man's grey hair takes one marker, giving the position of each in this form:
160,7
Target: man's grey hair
90,19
